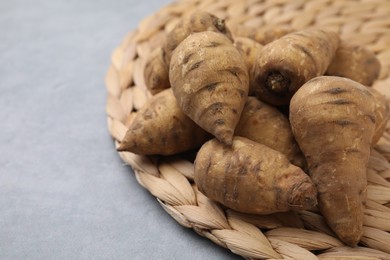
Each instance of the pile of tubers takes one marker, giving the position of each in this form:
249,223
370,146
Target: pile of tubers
280,121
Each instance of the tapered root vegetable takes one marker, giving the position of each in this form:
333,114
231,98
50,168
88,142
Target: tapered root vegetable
287,63
199,21
262,35
252,178
210,81
355,62
333,120
156,72
249,50
157,64
161,127
382,114
265,124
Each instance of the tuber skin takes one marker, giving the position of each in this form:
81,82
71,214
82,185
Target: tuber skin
287,63
265,124
252,178
333,120
210,81
249,50
161,127
199,21
262,35
355,62
156,73
382,114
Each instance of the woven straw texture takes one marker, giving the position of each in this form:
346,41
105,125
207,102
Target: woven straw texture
292,235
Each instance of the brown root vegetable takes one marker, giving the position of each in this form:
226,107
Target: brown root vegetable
287,63
262,35
161,127
210,81
199,21
355,62
333,120
249,50
382,114
265,124
156,73
252,178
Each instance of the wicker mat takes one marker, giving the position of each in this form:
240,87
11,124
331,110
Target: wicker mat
296,235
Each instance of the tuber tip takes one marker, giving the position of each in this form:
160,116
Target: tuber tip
303,196
121,147
353,238
225,137
277,83
348,229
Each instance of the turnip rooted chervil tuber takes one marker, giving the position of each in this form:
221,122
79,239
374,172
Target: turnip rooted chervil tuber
252,178
382,114
199,21
265,124
161,127
157,64
333,120
262,35
355,62
286,63
249,50
210,80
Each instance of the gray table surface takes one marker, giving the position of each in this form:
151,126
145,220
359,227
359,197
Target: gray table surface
64,191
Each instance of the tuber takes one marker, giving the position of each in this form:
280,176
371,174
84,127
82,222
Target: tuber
156,73
333,120
262,35
249,50
199,21
287,63
252,178
382,114
265,124
157,64
161,127
209,78
355,62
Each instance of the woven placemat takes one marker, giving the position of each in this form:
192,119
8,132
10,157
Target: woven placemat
296,235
